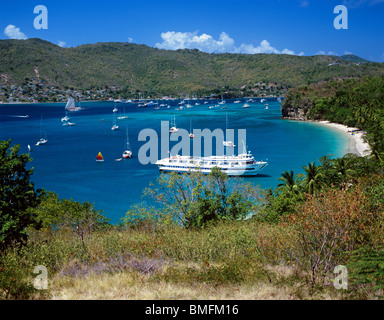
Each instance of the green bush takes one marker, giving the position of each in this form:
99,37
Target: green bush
366,270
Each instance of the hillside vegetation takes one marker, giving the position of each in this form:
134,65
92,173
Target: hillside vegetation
353,102
134,67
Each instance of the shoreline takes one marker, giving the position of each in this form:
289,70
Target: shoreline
357,145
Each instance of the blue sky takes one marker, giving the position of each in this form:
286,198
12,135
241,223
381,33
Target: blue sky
301,27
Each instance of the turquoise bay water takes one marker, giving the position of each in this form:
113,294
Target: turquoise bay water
67,166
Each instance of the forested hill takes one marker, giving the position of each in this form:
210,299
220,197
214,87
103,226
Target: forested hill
139,67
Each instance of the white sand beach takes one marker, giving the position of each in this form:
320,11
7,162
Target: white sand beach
357,144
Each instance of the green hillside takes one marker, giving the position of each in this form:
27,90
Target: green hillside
134,67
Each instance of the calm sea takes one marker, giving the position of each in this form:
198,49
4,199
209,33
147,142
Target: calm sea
67,166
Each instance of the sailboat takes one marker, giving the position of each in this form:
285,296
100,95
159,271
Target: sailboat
66,118
67,123
115,126
128,152
123,117
99,157
115,109
246,105
173,129
266,106
71,106
227,143
43,134
191,135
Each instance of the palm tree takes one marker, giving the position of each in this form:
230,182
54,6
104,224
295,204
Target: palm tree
344,171
343,168
312,179
289,182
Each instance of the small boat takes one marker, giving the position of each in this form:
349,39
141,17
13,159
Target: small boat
115,126
173,129
128,152
266,106
26,116
228,143
246,105
29,148
191,135
71,106
237,101
41,141
68,124
43,134
99,157
122,117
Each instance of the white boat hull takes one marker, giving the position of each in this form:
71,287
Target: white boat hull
229,165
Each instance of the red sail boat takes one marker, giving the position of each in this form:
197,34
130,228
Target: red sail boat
99,157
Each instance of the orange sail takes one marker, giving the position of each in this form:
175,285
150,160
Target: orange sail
99,157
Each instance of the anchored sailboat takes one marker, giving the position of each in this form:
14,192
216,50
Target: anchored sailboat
173,129
43,134
99,157
122,117
71,106
191,135
66,118
227,143
115,126
128,152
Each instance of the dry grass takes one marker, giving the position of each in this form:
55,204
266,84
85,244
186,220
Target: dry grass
131,285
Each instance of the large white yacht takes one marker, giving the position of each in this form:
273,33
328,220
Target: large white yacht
240,165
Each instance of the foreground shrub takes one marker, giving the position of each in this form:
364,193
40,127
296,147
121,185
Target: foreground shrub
327,225
366,270
195,201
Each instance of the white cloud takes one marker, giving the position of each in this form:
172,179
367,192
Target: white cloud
61,44
14,33
263,47
130,40
191,40
329,53
347,52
